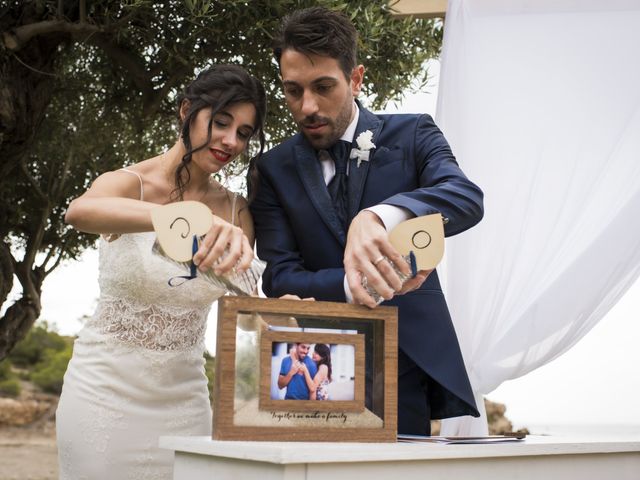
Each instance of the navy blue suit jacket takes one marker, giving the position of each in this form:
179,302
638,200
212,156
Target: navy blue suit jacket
300,237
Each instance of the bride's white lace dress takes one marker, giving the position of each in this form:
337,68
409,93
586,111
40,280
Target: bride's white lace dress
137,370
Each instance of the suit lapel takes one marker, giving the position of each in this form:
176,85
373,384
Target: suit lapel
310,173
358,174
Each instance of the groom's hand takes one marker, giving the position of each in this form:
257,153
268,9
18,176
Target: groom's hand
367,245
295,368
414,283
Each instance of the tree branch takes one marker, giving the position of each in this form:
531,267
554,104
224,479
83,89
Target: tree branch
34,241
32,181
177,75
125,59
47,271
16,38
126,19
48,257
58,181
62,242
83,11
30,288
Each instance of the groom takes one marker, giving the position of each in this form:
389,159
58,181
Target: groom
322,218
291,374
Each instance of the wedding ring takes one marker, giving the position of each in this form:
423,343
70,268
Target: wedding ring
378,260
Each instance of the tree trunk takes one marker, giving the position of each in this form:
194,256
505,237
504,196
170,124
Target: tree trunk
20,317
6,272
16,323
28,80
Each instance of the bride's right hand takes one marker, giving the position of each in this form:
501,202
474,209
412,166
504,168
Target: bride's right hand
289,296
221,237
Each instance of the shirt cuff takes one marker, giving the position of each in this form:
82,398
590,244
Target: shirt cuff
347,290
390,215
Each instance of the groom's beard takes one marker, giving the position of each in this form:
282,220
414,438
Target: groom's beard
319,141
336,128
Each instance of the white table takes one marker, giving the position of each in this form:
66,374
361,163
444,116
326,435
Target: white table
537,457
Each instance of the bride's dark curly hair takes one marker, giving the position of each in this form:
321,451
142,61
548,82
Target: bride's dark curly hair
324,353
217,88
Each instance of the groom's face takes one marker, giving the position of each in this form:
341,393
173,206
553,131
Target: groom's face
319,95
302,350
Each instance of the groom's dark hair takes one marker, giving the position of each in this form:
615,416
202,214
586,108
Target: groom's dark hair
319,31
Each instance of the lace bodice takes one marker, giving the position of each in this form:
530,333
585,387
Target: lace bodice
137,307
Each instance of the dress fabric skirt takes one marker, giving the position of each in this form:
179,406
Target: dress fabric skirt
137,371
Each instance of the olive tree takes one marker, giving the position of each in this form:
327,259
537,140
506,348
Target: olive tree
90,86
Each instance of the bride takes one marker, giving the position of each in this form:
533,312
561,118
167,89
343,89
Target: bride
137,370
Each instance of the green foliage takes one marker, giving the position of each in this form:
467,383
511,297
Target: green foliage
9,384
114,90
10,387
38,343
85,92
5,370
210,372
49,373
42,356
247,372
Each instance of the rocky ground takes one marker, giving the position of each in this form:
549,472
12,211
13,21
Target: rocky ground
28,453
27,436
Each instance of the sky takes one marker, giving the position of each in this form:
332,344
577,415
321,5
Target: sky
595,383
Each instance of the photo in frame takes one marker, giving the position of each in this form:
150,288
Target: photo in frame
256,335
341,387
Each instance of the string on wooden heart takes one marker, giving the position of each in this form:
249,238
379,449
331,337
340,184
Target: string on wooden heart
193,271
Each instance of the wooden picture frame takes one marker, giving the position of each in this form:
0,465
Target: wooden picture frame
267,402
243,407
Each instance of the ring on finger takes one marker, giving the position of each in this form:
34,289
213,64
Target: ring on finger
378,260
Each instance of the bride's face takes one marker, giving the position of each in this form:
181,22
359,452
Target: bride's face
315,357
231,130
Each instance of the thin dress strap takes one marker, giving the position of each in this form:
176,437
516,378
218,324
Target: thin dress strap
110,237
233,209
139,178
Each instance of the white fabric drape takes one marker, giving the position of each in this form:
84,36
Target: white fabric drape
541,103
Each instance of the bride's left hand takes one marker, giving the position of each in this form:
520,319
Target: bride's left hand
221,237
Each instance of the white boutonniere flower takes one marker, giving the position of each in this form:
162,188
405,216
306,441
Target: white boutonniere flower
364,146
